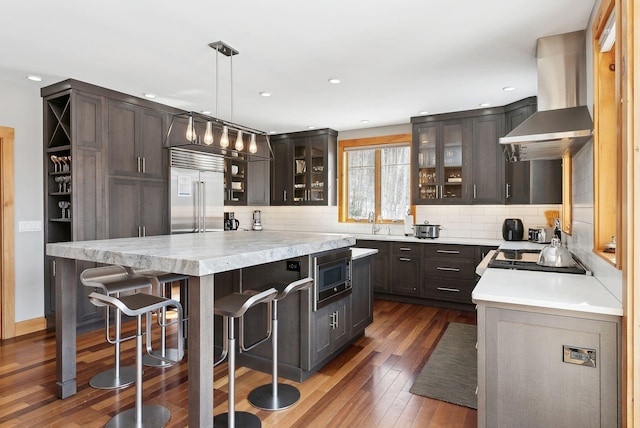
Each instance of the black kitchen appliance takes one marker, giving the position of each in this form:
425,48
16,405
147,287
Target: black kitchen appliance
230,222
528,260
332,275
512,229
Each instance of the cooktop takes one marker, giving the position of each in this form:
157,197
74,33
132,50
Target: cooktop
528,260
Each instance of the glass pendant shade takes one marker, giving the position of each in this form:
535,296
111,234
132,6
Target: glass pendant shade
224,140
239,142
208,134
253,147
190,135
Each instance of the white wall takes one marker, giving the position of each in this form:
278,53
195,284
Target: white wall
21,109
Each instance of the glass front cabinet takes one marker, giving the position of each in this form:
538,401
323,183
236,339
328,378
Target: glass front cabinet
441,164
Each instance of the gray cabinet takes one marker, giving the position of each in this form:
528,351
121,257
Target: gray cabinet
547,368
488,161
135,141
448,272
381,263
137,207
330,329
362,294
304,168
405,269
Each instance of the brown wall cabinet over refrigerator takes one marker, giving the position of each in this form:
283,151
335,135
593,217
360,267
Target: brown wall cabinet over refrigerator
304,169
105,174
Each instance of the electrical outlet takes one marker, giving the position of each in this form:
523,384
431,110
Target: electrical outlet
293,265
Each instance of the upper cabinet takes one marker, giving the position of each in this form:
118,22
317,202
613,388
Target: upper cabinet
442,151
304,168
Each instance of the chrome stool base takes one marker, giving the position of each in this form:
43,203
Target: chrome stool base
243,420
108,380
171,354
262,397
152,416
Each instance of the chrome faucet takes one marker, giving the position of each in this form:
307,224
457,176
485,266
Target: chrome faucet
372,219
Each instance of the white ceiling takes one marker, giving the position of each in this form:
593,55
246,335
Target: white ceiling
395,59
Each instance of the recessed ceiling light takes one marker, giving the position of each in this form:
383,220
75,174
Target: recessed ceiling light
311,127
150,95
265,94
334,80
484,104
272,132
34,78
508,88
422,113
364,121
205,112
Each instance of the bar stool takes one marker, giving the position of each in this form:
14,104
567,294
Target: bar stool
136,305
163,279
234,306
113,280
278,396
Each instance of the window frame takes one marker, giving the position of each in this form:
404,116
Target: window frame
343,173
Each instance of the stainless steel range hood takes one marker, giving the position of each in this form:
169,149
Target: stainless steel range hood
563,122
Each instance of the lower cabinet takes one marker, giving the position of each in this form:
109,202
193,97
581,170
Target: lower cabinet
543,368
330,329
362,273
380,280
448,272
405,268
137,207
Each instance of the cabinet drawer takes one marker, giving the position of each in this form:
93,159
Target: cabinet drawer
405,248
450,268
449,251
450,290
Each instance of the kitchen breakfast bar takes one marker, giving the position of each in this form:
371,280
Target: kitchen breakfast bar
198,255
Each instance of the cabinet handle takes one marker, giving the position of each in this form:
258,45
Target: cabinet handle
284,195
53,268
474,191
441,191
448,251
138,164
508,195
405,249
144,165
404,259
448,269
139,232
451,290
144,231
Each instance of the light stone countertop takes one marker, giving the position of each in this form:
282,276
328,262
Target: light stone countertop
200,254
360,253
562,291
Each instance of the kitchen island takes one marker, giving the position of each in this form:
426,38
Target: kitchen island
198,255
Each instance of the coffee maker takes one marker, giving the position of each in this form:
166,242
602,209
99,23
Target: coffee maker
230,222
257,224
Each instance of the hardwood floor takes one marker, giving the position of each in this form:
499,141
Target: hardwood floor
365,386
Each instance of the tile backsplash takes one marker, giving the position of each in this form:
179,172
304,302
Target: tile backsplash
467,221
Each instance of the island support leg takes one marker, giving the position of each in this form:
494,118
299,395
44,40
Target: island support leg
66,298
200,348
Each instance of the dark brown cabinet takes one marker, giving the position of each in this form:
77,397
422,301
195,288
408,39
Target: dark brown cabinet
448,272
304,168
330,329
405,268
135,141
105,174
362,294
488,160
381,263
441,160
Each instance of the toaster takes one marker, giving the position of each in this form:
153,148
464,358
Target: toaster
540,234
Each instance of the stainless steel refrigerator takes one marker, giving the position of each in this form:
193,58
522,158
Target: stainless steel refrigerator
197,192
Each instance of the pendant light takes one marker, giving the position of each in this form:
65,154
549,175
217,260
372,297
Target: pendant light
253,147
239,142
208,134
190,135
224,140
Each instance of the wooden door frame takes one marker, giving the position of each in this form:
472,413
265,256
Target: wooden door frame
7,235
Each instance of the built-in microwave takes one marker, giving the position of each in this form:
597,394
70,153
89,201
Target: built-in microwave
332,276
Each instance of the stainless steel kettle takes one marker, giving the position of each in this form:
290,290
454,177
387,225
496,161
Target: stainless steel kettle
555,255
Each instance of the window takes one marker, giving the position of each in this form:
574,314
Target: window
375,178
